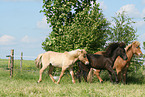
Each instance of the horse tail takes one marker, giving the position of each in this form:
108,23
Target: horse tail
38,61
90,75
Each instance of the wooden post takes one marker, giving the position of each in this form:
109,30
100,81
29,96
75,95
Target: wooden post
9,61
12,63
21,61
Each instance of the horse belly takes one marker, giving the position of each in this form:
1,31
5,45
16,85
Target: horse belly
99,64
56,62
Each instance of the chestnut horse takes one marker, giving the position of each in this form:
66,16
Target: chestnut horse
121,65
103,62
62,60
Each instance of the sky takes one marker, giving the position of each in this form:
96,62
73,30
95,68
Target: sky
23,28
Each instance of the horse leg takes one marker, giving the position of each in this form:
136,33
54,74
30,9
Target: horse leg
62,72
79,75
50,73
40,72
72,74
111,71
118,74
125,76
90,75
85,75
97,73
110,75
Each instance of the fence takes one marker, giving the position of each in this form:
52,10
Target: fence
11,62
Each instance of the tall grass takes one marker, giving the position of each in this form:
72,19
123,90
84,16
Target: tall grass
24,84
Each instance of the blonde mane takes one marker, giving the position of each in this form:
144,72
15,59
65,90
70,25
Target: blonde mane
74,52
133,43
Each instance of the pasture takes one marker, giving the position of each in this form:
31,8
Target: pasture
24,83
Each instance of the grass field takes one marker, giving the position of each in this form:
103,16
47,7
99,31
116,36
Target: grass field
24,84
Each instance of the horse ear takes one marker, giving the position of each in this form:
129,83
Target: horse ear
136,43
122,45
83,50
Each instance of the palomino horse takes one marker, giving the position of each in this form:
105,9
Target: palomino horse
121,65
104,61
62,60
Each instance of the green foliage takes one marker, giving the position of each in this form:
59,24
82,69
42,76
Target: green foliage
143,45
75,24
135,65
122,29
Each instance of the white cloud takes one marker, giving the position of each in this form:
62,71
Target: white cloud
102,5
142,36
131,10
7,40
143,1
143,12
140,24
27,39
43,24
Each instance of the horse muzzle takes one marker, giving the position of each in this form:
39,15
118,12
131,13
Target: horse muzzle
140,54
125,58
86,63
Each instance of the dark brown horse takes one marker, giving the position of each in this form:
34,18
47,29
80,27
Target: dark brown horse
103,62
121,65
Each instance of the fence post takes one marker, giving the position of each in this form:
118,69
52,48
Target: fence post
12,63
21,61
9,62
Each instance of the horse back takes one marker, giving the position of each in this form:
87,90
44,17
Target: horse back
54,58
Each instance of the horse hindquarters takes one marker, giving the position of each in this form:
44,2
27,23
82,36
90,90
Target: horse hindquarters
45,63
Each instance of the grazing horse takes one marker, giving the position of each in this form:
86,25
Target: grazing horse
121,65
103,62
62,60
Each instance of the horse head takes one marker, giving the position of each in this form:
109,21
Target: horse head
117,49
83,57
136,48
121,51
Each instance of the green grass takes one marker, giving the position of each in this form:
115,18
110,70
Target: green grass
24,84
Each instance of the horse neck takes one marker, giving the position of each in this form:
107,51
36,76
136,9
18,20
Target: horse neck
129,54
114,56
73,54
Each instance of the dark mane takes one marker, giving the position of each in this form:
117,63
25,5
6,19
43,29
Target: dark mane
110,49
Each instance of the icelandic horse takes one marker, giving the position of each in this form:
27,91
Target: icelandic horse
121,65
62,60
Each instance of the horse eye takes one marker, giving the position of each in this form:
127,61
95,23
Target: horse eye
137,47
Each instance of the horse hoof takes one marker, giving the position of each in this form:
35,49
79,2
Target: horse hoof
115,82
101,82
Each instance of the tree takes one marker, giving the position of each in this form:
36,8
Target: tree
122,29
143,45
76,24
